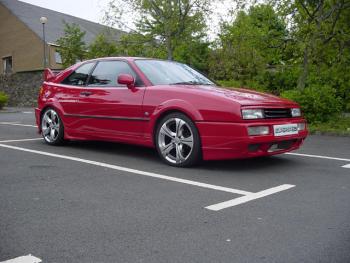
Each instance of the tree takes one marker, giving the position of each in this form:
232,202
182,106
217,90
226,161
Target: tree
102,47
139,45
250,46
169,22
322,32
71,45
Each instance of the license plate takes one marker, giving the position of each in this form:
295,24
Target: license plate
285,129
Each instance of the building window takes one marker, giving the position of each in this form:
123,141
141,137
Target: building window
58,58
7,62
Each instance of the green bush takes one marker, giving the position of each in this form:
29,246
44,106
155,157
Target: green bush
3,99
319,103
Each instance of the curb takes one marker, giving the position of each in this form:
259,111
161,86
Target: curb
15,110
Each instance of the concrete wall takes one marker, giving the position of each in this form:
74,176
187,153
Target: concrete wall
22,88
25,47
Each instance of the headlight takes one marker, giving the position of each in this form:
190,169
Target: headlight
250,114
296,112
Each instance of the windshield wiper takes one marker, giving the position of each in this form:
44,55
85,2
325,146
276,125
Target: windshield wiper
191,82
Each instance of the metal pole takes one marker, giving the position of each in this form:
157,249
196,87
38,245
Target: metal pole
44,44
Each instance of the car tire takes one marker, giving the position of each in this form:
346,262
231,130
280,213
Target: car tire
177,140
52,128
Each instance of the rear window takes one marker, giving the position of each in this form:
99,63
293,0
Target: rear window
80,76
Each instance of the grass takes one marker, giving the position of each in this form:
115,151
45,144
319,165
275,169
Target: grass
338,126
3,99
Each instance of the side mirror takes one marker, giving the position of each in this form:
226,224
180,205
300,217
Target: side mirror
127,80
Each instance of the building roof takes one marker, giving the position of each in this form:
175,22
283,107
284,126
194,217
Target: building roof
54,28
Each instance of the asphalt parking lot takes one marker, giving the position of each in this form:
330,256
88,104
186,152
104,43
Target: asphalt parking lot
108,202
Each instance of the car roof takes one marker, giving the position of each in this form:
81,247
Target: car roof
123,58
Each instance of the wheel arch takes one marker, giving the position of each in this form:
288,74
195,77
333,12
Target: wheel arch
198,149
162,115
47,106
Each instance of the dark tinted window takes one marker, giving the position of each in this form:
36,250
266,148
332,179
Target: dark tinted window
79,76
106,73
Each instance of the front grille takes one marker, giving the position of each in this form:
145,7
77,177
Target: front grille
277,113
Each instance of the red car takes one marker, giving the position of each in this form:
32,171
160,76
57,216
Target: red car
166,105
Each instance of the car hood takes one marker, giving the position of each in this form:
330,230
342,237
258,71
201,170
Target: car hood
245,97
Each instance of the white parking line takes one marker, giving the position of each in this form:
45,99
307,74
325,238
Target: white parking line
18,124
319,156
249,196
22,140
322,157
129,170
24,259
28,112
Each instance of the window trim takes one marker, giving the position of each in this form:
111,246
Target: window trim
4,59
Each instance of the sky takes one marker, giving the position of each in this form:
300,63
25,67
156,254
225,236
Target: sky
87,9
93,10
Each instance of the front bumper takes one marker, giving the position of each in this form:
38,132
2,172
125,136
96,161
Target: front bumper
223,140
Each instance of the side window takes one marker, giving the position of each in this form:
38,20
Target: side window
106,73
79,76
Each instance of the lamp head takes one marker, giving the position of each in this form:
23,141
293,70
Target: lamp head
43,20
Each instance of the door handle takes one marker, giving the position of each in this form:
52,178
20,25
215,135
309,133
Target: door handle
85,93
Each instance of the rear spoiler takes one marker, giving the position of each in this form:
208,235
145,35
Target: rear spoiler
49,74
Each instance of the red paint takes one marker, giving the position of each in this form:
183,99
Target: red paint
130,114
127,80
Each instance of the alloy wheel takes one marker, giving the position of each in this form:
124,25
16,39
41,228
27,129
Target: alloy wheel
175,140
50,126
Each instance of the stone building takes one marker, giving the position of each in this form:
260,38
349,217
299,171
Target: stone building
21,36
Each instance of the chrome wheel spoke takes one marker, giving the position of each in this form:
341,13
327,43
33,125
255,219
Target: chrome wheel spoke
47,119
52,134
46,131
53,117
167,132
179,125
167,149
179,156
57,127
187,141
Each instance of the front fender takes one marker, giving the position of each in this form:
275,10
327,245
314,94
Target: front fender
171,106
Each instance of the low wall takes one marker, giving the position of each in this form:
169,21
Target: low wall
22,88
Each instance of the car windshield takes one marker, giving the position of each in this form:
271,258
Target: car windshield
161,72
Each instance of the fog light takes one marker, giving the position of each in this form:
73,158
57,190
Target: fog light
258,130
301,126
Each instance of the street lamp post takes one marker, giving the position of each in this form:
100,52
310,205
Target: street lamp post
43,21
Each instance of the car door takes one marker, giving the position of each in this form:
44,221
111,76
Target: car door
112,110
69,93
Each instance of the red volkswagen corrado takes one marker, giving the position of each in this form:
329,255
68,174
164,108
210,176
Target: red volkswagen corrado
166,105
